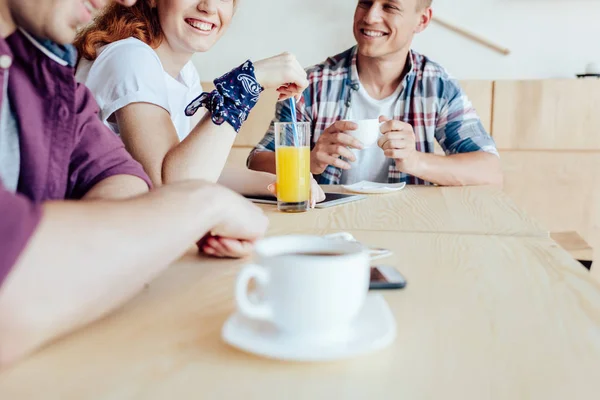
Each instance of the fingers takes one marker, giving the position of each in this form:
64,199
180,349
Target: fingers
345,140
227,248
327,159
383,118
398,154
336,150
341,126
281,70
288,91
236,248
390,140
272,188
294,74
396,144
316,193
394,126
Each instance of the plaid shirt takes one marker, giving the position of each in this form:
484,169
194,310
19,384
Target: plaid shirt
431,101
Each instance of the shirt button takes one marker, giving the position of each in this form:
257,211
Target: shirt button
5,61
63,113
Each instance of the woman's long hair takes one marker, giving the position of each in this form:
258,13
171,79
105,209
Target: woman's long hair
117,22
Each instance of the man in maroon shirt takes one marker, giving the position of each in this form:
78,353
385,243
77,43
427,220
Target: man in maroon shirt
64,263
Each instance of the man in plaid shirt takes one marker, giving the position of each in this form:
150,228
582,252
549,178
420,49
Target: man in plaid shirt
415,99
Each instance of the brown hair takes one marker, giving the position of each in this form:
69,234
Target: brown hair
118,22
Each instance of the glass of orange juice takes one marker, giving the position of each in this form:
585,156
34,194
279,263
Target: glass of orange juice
292,153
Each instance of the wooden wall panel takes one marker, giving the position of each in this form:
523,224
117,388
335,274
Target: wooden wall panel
560,189
547,114
481,95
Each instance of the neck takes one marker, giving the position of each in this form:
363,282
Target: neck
380,76
172,61
7,24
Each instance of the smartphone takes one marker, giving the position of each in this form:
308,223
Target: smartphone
331,199
386,277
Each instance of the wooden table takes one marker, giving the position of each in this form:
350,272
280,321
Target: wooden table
469,210
483,317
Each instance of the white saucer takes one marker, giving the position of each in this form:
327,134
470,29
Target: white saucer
373,329
366,187
375,253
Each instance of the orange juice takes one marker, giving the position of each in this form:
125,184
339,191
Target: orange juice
293,174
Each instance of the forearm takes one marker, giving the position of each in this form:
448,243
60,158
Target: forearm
477,168
117,187
86,258
245,181
201,155
263,161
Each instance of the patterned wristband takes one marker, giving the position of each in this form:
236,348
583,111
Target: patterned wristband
235,95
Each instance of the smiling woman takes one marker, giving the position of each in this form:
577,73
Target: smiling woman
137,63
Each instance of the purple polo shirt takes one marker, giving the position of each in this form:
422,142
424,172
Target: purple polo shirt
65,148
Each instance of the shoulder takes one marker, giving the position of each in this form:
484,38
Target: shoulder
433,77
121,63
338,65
130,49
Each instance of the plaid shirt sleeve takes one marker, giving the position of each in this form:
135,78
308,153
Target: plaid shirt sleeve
459,129
282,113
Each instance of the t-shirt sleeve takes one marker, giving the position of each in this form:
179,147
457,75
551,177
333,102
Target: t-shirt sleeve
124,73
19,218
98,153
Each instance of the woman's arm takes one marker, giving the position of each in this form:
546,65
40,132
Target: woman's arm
150,136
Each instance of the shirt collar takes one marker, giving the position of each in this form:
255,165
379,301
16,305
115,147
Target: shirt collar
354,79
65,55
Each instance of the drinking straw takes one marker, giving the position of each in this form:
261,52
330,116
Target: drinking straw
294,119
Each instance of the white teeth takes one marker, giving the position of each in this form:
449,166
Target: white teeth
203,26
373,33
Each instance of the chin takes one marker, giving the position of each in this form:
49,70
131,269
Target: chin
64,35
370,51
201,47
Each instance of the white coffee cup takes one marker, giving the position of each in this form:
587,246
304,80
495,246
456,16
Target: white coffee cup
305,292
368,131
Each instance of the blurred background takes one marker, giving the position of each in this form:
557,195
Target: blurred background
547,38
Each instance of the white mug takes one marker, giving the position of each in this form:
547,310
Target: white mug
368,132
305,292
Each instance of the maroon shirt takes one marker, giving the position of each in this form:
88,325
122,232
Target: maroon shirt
65,148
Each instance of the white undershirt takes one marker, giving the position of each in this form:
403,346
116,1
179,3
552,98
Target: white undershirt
371,164
10,153
129,71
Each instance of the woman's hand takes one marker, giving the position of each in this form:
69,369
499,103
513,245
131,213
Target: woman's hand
221,247
316,193
283,73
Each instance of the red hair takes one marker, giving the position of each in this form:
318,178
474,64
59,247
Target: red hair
117,22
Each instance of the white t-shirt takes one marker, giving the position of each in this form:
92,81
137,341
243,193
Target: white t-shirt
129,71
10,151
371,163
